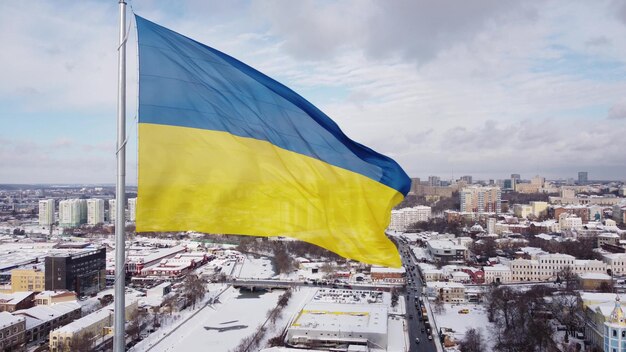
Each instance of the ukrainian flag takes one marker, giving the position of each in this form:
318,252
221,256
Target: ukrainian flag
224,148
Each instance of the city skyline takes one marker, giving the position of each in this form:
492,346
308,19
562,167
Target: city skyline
482,89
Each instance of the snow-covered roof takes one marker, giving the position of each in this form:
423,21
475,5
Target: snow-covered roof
595,276
442,284
14,298
386,270
608,235
8,319
496,267
46,313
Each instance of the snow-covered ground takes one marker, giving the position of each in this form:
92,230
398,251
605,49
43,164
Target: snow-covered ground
220,327
257,268
460,323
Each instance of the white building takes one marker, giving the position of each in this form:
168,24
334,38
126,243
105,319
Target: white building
111,210
569,221
491,225
447,251
46,212
522,210
548,266
616,262
132,208
498,273
95,211
72,212
449,292
342,318
402,218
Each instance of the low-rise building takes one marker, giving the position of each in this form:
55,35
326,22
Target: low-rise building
549,266
11,332
449,292
447,251
616,262
10,302
384,274
500,274
341,318
522,210
47,298
42,319
570,222
619,213
608,238
594,281
99,323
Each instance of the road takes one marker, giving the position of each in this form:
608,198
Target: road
417,327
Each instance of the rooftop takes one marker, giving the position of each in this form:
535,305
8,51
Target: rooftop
8,319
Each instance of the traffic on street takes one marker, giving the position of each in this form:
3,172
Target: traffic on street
421,334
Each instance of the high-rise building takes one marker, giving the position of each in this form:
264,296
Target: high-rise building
491,225
46,212
467,179
538,180
415,185
72,212
95,211
83,272
509,184
583,177
434,181
475,199
132,208
111,210
516,177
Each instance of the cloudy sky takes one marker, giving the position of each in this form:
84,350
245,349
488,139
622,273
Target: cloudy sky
448,88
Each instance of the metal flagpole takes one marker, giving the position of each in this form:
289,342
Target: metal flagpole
119,340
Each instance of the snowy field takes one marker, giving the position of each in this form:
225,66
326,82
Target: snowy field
221,327
258,268
459,323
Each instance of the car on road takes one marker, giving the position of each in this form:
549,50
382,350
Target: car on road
430,337
422,330
417,340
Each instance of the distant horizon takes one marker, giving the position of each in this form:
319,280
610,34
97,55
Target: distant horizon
451,87
422,179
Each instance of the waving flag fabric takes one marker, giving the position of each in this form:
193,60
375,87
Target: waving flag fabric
224,148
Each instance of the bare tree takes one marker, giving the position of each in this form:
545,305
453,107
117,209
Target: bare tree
569,278
438,306
82,342
168,303
133,329
566,310
194,289
473,341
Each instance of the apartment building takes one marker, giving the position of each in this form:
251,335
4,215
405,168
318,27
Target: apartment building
27,280
402,218
476,199
46,212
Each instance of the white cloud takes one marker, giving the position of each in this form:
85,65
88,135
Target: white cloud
484,87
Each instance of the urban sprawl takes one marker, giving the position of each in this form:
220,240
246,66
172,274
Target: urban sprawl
488,265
